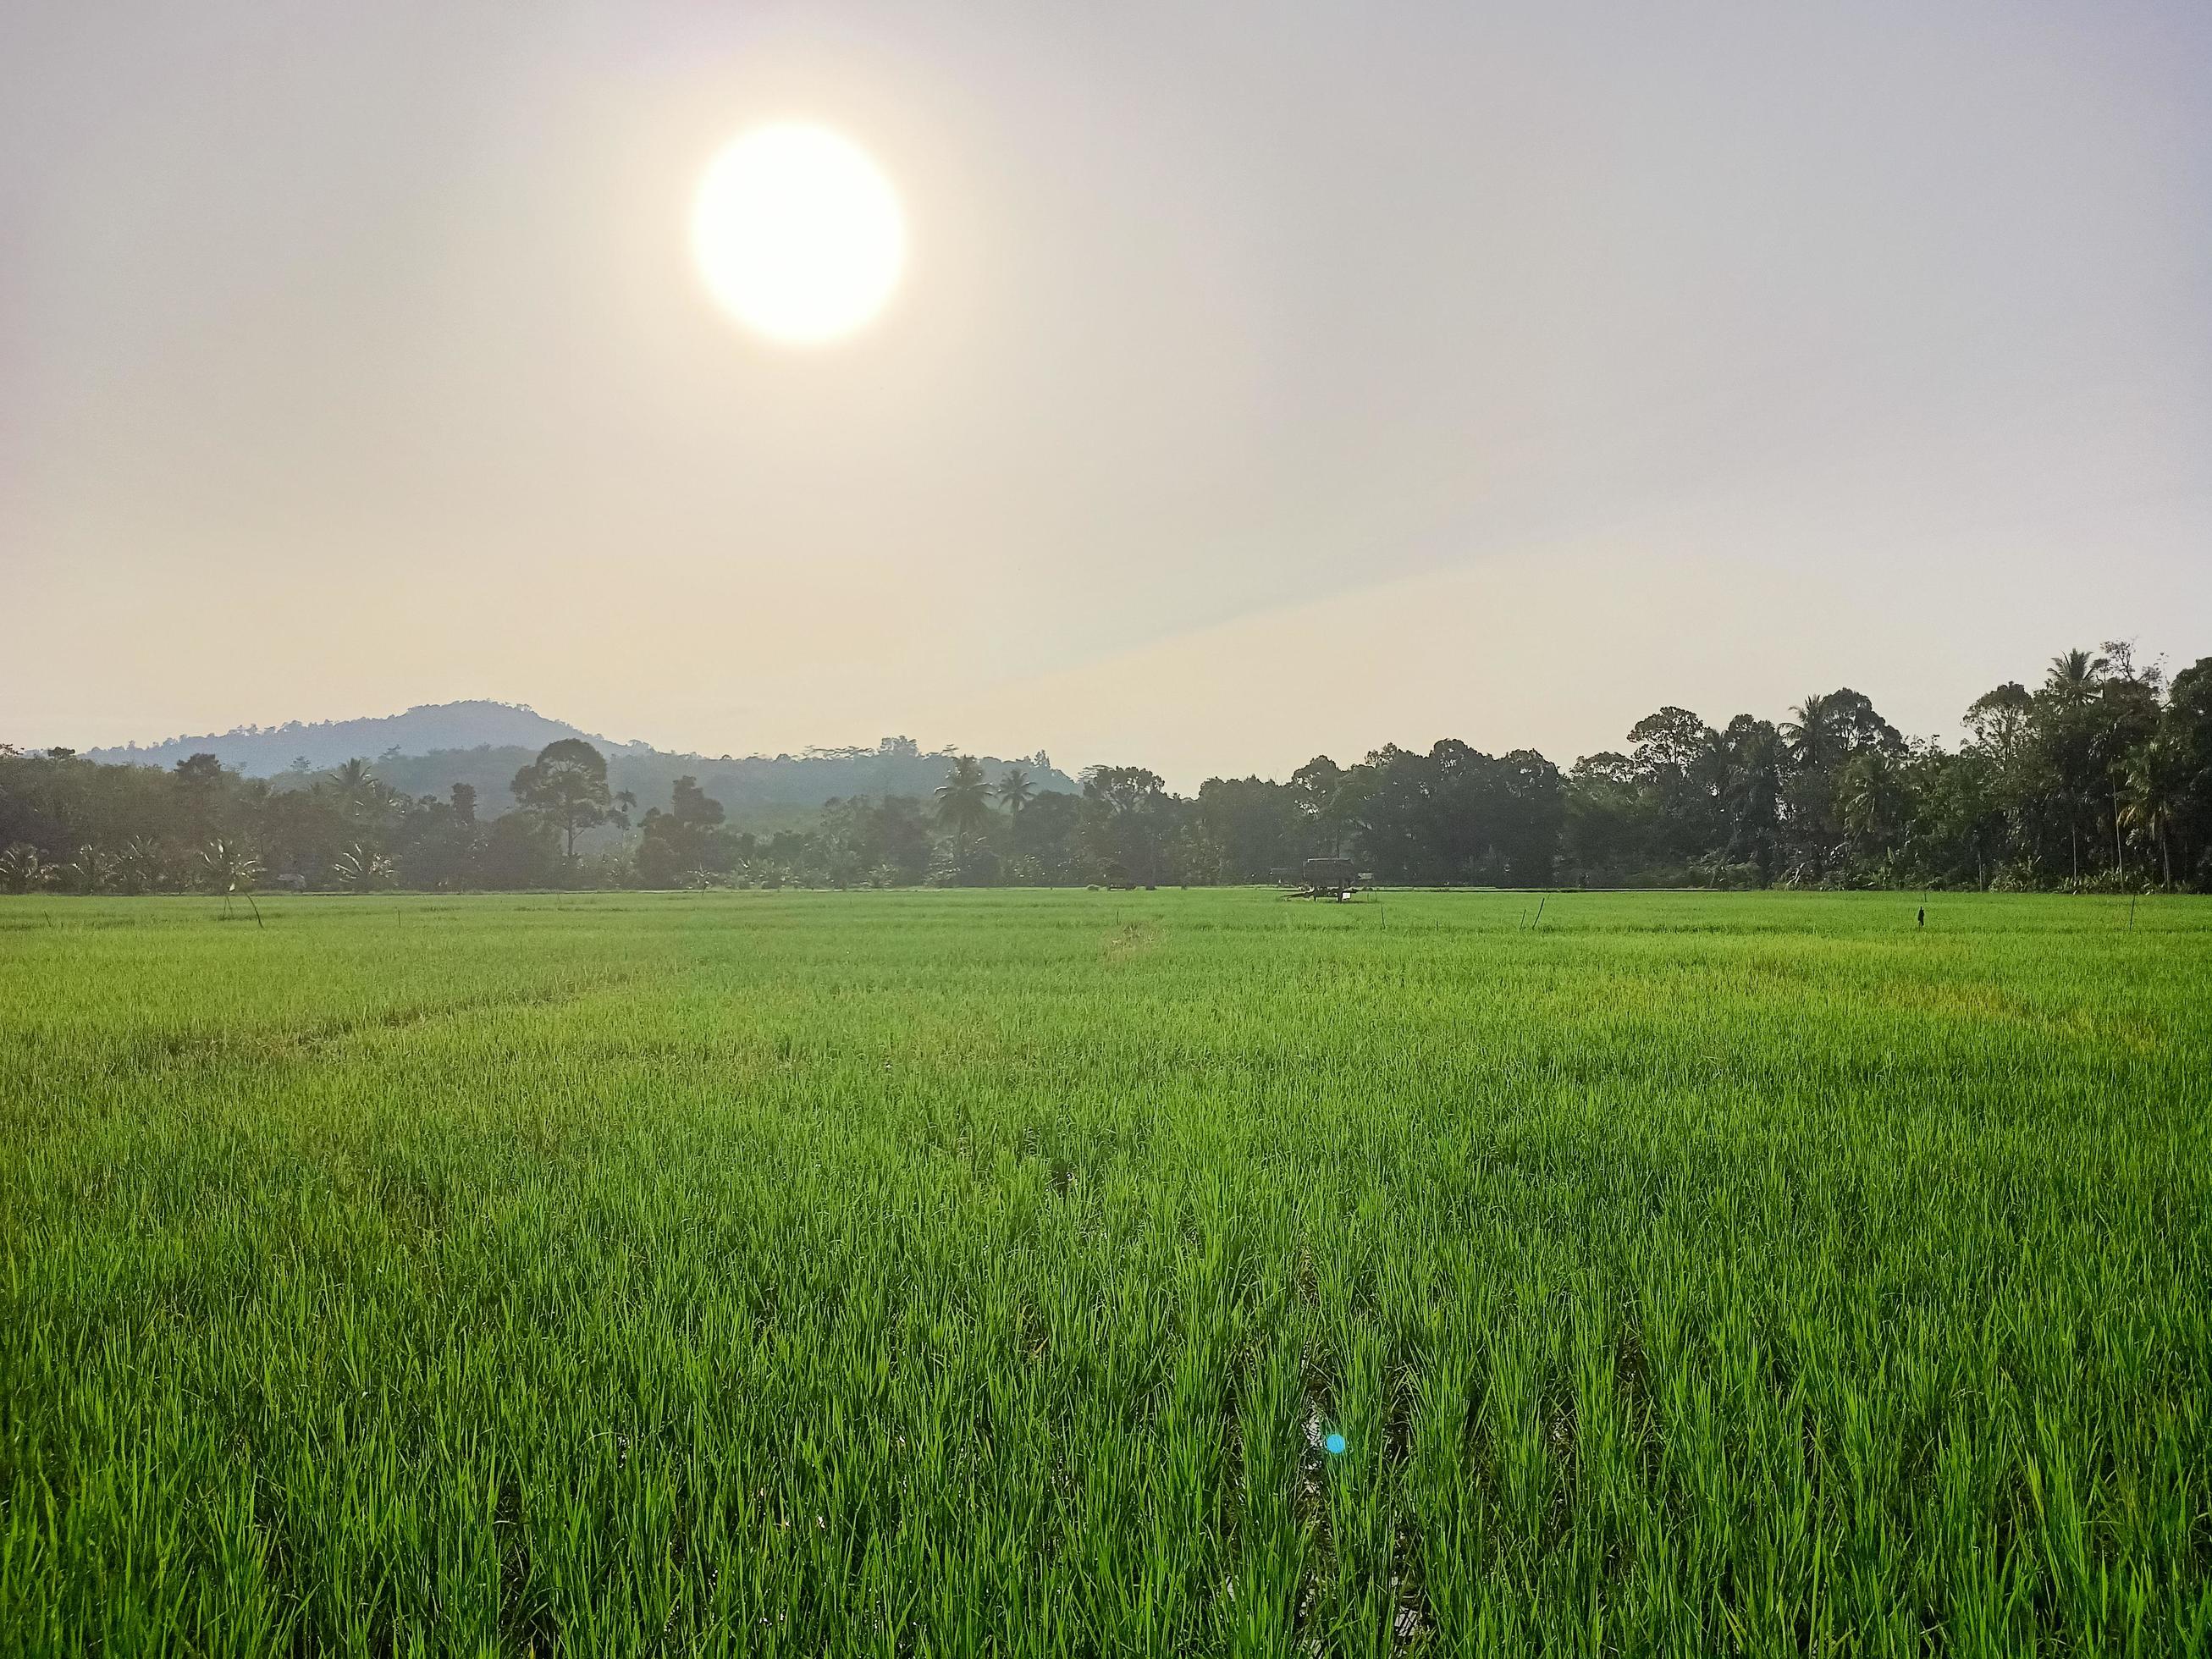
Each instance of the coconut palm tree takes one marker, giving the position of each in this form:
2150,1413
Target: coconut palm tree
1814,744
354,783
1871,799
2071,738
1015,790
1812,737
963,800
2157,788
2075,676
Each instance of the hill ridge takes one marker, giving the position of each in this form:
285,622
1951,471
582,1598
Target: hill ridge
481,742
421,729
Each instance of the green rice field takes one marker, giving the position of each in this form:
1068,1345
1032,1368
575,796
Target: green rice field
950,1273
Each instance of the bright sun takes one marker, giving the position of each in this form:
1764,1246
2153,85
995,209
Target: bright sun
797,233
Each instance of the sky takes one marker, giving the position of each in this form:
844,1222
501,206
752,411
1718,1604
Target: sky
1264,381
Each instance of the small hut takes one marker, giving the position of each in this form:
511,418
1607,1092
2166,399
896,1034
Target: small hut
1330,878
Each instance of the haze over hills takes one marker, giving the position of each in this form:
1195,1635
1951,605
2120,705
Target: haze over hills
263,752
434,746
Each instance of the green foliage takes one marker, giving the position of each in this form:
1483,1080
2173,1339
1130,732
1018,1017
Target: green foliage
227,868
521,850
685,845
361,871
2098,780
1013,790
567,786
981,1273
21,870
763,793
963,800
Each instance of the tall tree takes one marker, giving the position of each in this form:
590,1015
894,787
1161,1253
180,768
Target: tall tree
1872,802
354,784
1328,800
1825,730
1015,790
2157,794
2067,731
683,842
2186,724
1125,822
963,800
1528,810
2074,678
567,786
200,784
1750,763
1679,762
1247,828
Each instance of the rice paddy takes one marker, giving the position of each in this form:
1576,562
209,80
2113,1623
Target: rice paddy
945,1273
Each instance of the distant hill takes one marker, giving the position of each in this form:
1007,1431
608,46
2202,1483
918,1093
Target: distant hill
263,752
428,749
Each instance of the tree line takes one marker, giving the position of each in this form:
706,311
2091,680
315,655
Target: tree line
2097,779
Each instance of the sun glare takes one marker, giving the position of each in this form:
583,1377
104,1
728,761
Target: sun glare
797,233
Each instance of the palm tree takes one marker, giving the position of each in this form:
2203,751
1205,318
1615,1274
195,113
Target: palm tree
1014,790
1811,741
2071,685
2156,790
1814,744
1872,799
2075,676
354,782
964,804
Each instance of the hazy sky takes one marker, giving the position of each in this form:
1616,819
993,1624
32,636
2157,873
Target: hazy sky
1265,380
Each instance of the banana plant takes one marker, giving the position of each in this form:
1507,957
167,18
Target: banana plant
139,866
360,871
226,867
21,869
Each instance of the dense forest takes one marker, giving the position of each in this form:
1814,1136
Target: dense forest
2097,779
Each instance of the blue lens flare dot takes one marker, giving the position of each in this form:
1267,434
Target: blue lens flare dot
1335,1444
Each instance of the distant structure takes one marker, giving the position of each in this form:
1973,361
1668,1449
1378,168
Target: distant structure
1334,878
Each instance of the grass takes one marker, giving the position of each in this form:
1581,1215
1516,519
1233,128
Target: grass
950,1274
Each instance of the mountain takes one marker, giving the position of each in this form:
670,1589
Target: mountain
263,752
429,749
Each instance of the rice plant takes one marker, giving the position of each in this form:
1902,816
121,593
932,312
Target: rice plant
1033,1273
